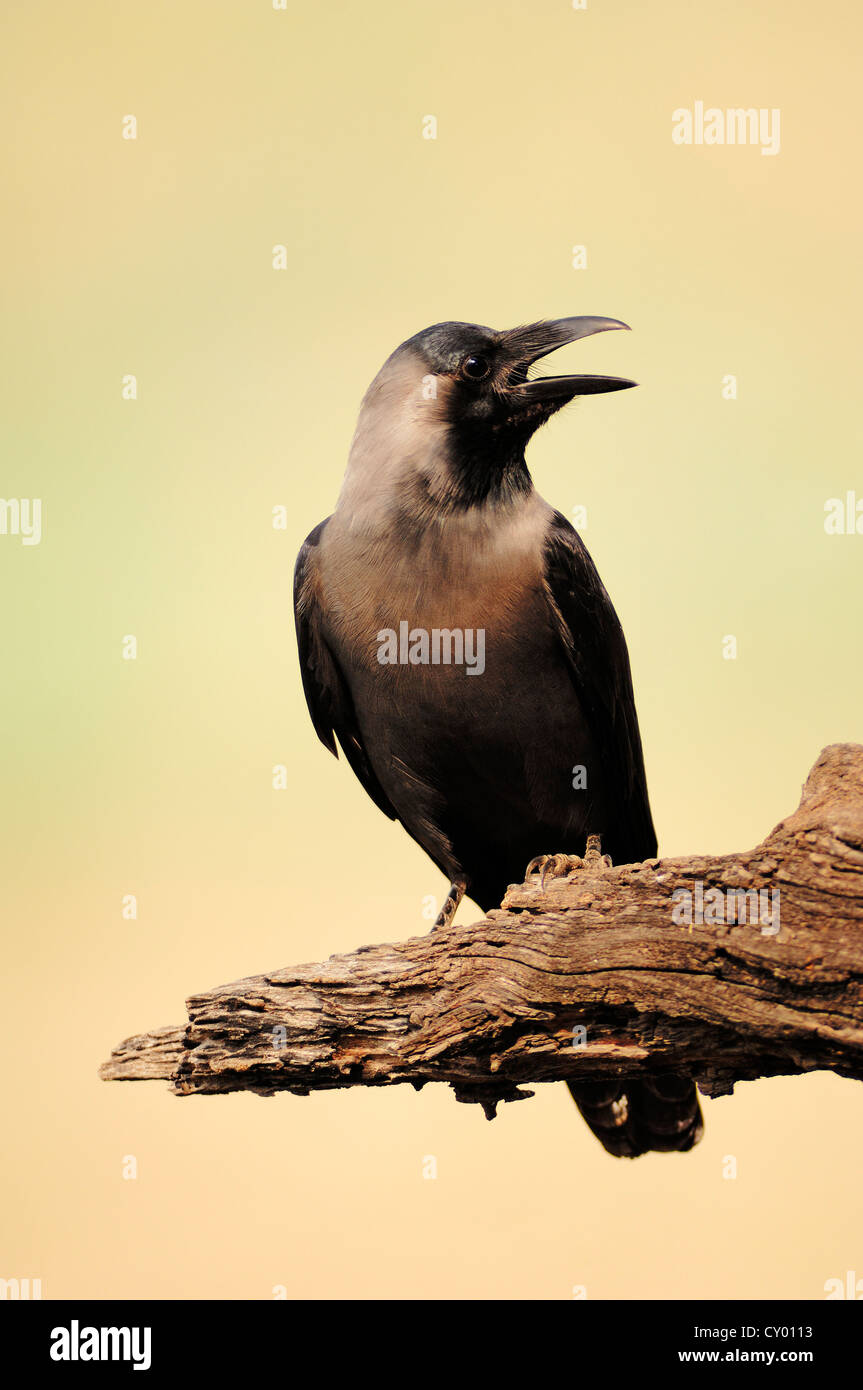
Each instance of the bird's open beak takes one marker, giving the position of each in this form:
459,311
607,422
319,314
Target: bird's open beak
535,340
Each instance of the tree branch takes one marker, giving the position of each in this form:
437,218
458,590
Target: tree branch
598,975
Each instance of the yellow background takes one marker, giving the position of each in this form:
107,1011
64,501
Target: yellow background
153,777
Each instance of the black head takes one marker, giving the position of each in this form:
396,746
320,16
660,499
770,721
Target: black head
480,377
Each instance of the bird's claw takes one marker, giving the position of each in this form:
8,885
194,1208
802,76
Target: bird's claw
559,865
552,866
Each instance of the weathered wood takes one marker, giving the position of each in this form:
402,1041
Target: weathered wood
492,1006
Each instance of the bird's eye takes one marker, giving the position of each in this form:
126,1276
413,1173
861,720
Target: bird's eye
476,367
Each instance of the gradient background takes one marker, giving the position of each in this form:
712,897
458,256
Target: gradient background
153,777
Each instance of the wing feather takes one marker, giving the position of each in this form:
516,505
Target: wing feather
327,694
595,649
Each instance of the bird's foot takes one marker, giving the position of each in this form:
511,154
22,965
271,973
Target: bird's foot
559,865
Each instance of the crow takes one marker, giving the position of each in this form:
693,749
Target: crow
439,549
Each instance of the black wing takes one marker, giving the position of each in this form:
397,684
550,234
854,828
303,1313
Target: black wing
596,653
327,694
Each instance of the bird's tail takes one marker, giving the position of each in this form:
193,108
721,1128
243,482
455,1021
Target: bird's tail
629,1118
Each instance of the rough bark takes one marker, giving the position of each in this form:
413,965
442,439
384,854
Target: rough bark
493,1005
